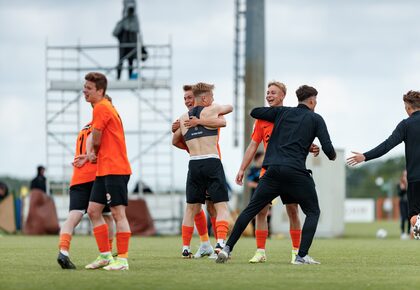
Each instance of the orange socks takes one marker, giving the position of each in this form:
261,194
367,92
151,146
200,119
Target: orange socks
123,239
261,238
201,224
213,225
187,233
295,236
222,228
64,243
101,236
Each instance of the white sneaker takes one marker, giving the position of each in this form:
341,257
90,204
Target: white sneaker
416,228
305,260
117,265
294,254
100,262
259,257
205,249
213,256
405,236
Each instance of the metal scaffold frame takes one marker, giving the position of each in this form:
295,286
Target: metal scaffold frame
239,69
152,91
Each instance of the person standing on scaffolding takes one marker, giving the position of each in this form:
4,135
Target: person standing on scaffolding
126,32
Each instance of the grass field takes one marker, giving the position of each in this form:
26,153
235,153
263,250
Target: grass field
356,261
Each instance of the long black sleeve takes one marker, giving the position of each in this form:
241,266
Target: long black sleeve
396,138
324,138
265,113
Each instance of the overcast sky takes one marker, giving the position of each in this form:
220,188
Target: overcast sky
362,56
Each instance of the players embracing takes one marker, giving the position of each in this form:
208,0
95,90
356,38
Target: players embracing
205,170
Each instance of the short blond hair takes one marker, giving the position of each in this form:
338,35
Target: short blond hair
413,99
280,85
202,88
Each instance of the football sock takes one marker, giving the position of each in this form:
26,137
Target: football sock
64,244
187,235
101,236
201,224
295,235
261,238
222,228
213,225
123,239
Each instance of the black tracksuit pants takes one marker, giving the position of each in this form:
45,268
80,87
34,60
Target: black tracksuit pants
293,186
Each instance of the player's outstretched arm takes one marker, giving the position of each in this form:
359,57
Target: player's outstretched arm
397,136
249,154
356,158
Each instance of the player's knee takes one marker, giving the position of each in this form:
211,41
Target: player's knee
118,214
93,213
263,213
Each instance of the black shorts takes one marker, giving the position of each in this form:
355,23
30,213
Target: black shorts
80,195
110,190
252,194
206,177
413,196
293,186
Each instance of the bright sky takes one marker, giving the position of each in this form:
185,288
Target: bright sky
362,56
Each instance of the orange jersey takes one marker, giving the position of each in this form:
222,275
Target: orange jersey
262,132
87,172
112,155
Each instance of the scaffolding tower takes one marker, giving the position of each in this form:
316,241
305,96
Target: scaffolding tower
148,97
239,69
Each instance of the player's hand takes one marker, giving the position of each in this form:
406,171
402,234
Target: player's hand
192,122
175,126
239,177
314,149
80,160
356,158
92,157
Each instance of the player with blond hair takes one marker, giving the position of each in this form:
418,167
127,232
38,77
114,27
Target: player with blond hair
293,134
276,92
205,172
200,219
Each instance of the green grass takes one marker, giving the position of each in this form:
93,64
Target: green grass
356,261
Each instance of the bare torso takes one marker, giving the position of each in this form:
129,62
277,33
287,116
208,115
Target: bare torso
202,145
